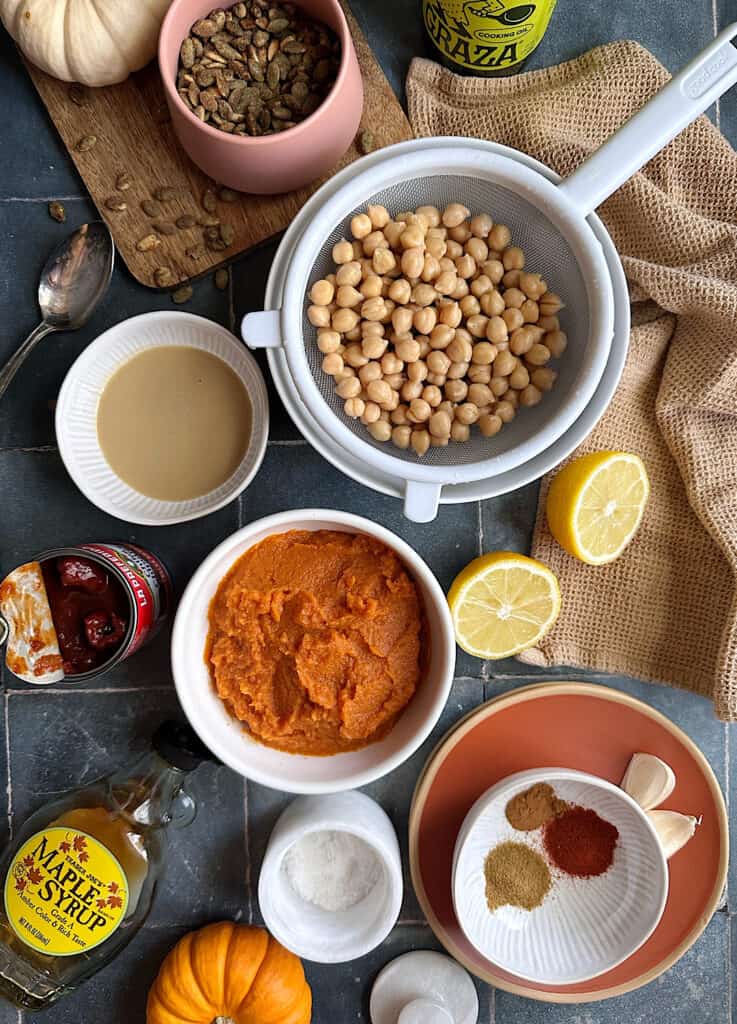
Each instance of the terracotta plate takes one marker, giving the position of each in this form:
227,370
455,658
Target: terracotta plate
594,729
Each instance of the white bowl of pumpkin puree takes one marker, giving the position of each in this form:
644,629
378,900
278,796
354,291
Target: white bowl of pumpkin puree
313,651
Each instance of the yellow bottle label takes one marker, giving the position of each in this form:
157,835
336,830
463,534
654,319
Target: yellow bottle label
486,35
65,893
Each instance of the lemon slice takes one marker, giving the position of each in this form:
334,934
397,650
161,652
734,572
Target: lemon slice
503,603
595,505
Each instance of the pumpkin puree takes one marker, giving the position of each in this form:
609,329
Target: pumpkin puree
315,640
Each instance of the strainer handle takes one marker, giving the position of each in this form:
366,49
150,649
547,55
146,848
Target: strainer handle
648,131
262,329
421,501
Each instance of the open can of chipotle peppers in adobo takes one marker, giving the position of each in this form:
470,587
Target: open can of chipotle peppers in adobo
72,613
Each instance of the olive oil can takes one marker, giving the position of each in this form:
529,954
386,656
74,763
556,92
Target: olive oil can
486,37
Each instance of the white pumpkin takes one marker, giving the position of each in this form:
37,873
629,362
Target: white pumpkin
96,42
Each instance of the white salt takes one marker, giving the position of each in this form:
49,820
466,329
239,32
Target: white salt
332,870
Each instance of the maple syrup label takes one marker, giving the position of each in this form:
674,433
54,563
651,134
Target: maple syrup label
65,892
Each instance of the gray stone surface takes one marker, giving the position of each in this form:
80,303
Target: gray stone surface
62,738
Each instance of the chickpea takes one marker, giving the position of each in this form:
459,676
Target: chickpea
374,309
504,364
412,262
380,430
460,234
345,374
506,410
538,355
438,362
543,378
513,258
530,396
550,304
383,260
459,431
391,364
400,291
477,325
423,294
398,416
461,289
450,314
490,424
369,372
322,293
470,305
521,341
419,410
430,268
467,413
437,379
457,371
373,242
439,424
496,330
353,356
456,390
436,247
327,340
445,282
371,413
513,398
479,374
378,215
358,252
402,319
332,364
519,378
349,388
549,323
417,371
484,353
411,389
453,249
408,351
511,279
441,336
530,311
379,391
431,215
354,407
432,395
412,238
499,386
459,350
348,297
439,442
424,320
492,303
393,401
481,285
342,252
374,347
493,269
349,274
401,436
533,286
513,319
344,320
361,225
319,316
499,237
480,395
454,214
372,287
481,225
477,249
556,343
420,441
465,266
513,298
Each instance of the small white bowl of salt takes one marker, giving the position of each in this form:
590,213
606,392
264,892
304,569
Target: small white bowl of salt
330,887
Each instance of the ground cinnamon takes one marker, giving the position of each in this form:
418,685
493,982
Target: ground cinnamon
534,807
516,876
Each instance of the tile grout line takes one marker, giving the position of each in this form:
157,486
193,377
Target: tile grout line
247,842
727,796
480,538
56,690
492,1004
44,199
9,784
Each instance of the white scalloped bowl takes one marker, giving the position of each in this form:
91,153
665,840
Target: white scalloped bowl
76,415
585,926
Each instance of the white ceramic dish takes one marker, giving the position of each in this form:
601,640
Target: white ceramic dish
585,926
501,483
331,937
227,738
76,415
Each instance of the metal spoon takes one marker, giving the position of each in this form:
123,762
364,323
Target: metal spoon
75,278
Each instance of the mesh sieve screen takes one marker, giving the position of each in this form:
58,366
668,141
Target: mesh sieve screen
547,252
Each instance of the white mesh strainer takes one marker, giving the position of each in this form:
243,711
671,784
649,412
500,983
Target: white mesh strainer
547,221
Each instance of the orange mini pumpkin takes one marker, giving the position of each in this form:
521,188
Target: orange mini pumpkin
230,970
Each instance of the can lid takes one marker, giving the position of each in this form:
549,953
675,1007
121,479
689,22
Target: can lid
180,745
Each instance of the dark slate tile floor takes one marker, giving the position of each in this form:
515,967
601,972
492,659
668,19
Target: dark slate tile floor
55,739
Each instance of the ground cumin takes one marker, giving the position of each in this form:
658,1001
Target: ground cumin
516,876
534,808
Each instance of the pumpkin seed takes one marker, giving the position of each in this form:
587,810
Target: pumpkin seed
57,211
204,28
366,142
165,194
147,243
123,181
86,143
227,234
150,208
209,221
222,278
183,294
186,221
195,252
209,201
163,277
163,227
115,204
187,53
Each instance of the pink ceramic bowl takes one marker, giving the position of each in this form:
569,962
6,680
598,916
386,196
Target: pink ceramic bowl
273,163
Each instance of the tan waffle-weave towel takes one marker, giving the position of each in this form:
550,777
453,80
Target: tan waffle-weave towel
667,609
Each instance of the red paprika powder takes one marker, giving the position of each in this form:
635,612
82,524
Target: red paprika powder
580,843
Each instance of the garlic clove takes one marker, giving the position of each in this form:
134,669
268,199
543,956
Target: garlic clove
648,780
674,829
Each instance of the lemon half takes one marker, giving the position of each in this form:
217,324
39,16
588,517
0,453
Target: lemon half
503,603
596,503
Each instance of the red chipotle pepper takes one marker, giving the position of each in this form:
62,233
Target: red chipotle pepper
580,843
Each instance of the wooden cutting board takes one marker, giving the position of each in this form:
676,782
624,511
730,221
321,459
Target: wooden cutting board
134,135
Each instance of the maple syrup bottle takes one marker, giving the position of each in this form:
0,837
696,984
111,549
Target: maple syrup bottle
79,878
